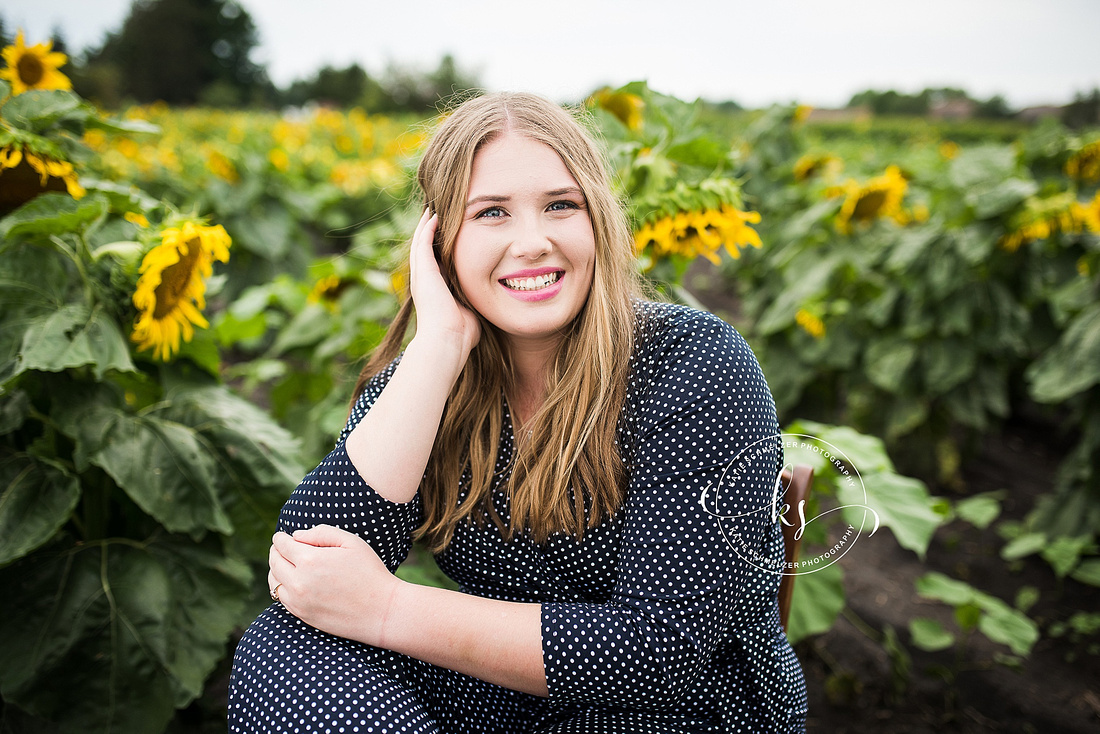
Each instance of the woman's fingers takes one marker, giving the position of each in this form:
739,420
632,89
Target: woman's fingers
323,536
438,313
421,255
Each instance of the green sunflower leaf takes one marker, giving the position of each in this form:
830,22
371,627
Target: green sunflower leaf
114,636
162,465
37,496
930,635
257,459
51,214
38,109
73,336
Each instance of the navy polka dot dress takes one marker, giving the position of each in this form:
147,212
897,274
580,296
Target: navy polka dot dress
652,623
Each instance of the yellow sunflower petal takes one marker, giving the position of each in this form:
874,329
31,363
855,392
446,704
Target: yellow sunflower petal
171,292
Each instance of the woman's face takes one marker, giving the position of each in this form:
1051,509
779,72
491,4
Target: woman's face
525,251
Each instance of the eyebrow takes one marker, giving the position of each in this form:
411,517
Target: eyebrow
496,198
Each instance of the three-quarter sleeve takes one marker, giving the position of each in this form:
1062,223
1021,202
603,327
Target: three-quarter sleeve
335,494
681,586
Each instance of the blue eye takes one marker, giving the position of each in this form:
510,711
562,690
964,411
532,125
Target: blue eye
558,206
492,212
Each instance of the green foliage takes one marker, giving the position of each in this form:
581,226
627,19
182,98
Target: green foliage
136,498
975,609
929,634
932,324
980,510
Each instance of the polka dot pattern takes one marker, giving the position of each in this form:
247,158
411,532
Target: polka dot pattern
651,623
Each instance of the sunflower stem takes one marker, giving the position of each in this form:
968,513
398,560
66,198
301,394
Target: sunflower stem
96,500
78,261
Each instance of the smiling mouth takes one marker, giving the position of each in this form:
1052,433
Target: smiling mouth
532,284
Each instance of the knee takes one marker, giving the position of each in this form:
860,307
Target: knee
287,674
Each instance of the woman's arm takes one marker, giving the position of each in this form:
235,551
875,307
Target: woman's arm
391,445
334,581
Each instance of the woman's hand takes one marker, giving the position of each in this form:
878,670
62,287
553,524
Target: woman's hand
332,580
438,314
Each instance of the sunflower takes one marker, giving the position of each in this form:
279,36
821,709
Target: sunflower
880,197
1084,165
623,105
699,233
1042,218
810,323
171,290
1089,214
25,174
327,290
816,164
34,67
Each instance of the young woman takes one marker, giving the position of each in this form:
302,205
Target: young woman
550,435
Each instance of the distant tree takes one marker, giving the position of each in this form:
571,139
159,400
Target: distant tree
892,102
448,80
59,44
347,87
727,106
341,87
5,38
413,91
1083,111
182,52
400,89
995,108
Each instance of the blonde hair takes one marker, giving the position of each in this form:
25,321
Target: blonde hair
568,475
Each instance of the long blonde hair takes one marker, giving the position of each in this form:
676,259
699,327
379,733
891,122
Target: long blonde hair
568,474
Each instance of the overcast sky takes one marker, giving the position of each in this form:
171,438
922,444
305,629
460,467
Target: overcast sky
819,52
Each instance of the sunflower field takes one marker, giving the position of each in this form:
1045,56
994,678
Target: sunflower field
186,295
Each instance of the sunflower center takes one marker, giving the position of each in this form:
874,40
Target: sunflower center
869,205
31,69
174,280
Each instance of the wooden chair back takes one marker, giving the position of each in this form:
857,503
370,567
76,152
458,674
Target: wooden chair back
798,481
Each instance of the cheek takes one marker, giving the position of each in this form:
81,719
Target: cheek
582,252
469,270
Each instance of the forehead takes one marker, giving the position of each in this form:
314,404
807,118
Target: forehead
515,160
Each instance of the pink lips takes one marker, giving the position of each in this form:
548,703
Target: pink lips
540,295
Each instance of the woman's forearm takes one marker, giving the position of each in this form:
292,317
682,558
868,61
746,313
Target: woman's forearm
391,445
495,641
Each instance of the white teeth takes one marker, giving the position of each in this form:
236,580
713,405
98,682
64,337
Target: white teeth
532,284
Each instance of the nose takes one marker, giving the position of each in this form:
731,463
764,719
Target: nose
531,240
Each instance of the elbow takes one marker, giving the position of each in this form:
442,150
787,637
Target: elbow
671,676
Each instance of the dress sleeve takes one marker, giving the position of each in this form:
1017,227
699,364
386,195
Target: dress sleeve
705,445
335,494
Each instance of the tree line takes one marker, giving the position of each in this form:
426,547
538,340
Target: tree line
198,52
